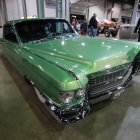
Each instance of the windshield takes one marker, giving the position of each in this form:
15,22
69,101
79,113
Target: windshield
35,30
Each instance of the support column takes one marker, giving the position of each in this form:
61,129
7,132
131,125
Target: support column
59,8
68,7
24,8
135,12
87,14
40,8
65,12
64,9
3,16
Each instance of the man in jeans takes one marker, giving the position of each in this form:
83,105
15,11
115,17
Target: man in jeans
93,25
137,29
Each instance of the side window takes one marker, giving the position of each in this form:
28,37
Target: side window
9,34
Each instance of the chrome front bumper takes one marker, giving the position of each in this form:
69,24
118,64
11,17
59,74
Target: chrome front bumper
71,115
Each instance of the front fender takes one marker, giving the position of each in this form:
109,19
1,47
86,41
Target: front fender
49,78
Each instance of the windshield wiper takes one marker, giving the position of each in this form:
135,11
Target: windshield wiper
43,39
67,34
54,37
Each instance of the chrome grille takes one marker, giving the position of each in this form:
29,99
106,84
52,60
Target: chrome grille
106,78
105,83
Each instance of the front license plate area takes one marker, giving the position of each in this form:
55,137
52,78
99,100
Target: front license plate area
118,93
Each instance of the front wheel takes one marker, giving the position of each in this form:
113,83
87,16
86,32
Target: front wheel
107,33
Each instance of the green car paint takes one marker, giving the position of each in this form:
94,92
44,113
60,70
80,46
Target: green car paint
64,64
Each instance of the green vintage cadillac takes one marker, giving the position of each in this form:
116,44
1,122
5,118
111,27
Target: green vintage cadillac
69,71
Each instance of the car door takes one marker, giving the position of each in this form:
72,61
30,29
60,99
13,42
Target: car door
11,45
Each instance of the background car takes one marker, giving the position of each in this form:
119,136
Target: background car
127,32
108,27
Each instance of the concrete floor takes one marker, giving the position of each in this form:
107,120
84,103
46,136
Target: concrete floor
23,117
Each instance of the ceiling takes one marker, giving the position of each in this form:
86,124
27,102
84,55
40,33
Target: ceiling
85,3
79,7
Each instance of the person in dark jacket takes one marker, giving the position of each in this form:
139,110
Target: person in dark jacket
137,29
93,24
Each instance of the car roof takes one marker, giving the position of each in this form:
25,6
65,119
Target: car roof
13,22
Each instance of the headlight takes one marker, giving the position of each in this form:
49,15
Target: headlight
81,92
66,97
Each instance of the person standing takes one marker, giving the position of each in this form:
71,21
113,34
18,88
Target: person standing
137,29
93,25
84,28
74,23
78,25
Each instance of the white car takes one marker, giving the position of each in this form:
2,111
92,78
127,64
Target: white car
127,32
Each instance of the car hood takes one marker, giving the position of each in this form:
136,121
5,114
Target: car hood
76,52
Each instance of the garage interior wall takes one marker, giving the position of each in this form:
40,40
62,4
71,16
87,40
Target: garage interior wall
31,6
50,11
14,9
13,6
78,11
101,10
98,9
16,5
116,11
127,10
